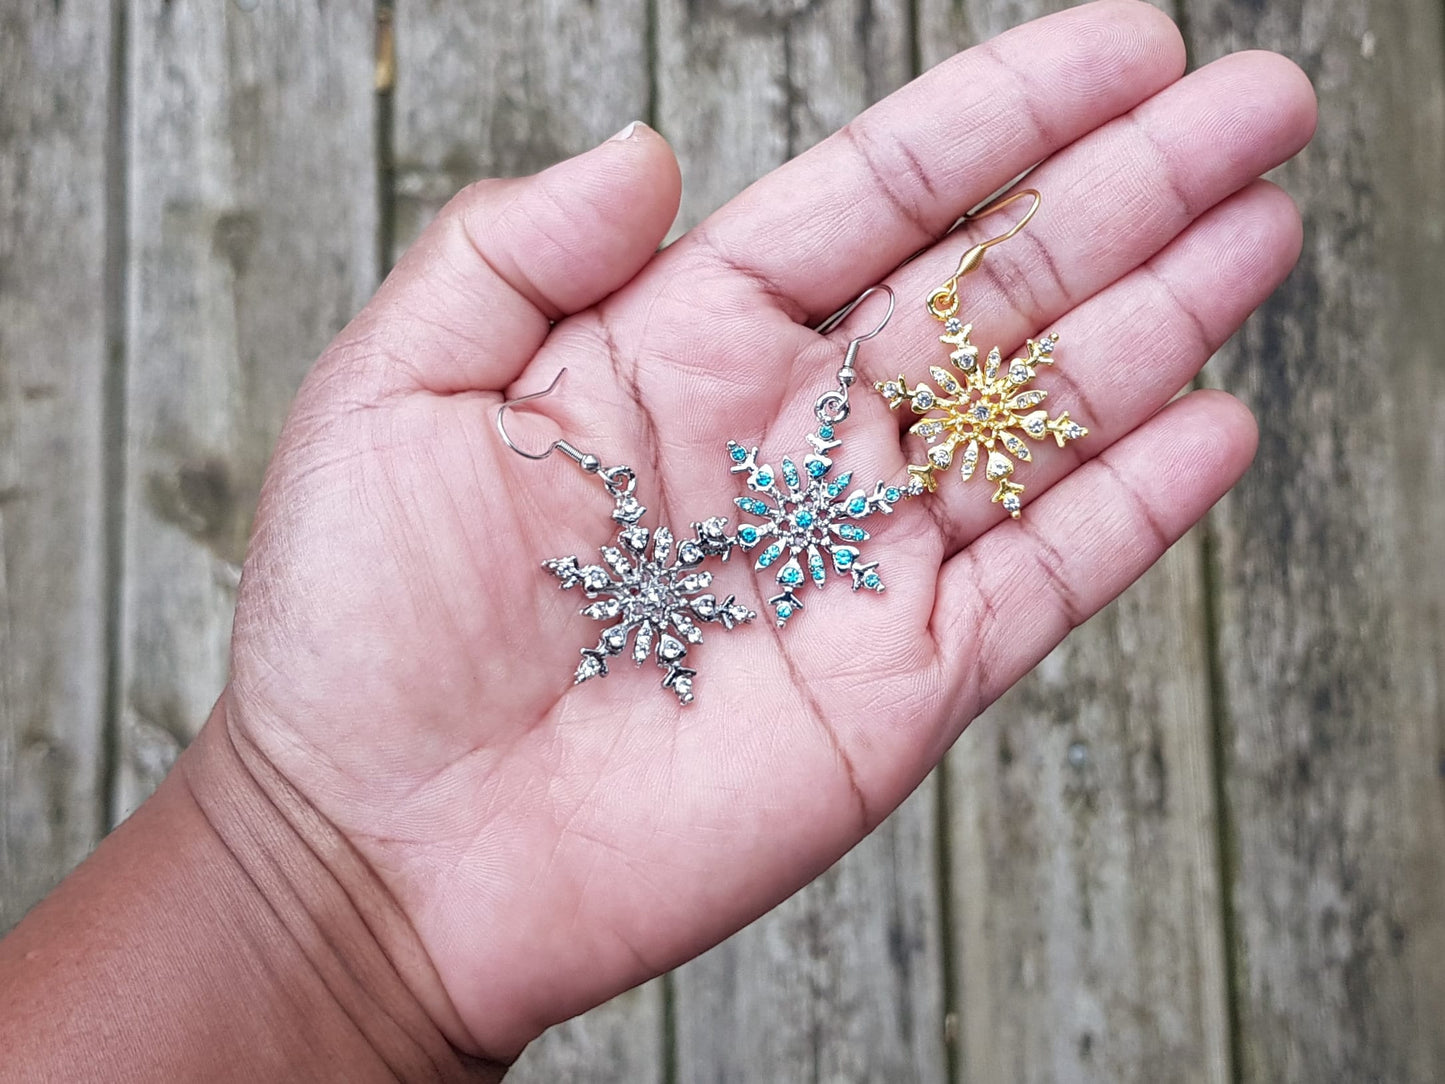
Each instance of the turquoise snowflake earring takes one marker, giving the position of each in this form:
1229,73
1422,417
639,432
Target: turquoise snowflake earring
811,515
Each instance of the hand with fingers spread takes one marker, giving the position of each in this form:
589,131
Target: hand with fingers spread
402,710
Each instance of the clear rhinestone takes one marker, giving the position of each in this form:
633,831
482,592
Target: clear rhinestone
670,648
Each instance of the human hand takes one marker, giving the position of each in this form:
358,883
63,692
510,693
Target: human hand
403,662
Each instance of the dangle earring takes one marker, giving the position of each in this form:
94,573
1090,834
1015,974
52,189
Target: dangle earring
654,599
808,515
981,412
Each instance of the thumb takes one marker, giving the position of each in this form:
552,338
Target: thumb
472,299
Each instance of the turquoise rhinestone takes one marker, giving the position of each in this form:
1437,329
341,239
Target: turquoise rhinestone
826,432
804,518
872,580
790,473
748,534
791,576
769,555
891,494
843,558
857,506
784,611
817,468
739,453
764,477
815,566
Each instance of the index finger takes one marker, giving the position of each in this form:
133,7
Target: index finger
836,219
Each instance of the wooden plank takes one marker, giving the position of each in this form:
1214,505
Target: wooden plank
1085,890
54,101
745,86
492,90
842,982
252,222
1330,585
503,90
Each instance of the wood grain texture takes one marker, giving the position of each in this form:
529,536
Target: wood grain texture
1328,579
1085,888
503,90
54,102
844,981
744,85
252,225
499,90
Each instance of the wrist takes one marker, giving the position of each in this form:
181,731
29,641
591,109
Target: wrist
316,905
223,932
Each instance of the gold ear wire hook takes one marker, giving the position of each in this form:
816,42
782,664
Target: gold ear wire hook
587,462
943,302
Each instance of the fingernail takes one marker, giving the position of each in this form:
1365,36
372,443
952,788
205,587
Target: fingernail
626,133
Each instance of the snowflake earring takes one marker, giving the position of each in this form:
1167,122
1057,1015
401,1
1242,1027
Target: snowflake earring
656,600
809,515
980,412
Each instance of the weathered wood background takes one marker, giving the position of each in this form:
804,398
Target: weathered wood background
1205,841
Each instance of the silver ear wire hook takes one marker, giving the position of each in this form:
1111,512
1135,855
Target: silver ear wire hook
589,463
832,406
620,481
843,313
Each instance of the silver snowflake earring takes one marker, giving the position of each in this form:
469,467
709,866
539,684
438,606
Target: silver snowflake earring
655,600
810,515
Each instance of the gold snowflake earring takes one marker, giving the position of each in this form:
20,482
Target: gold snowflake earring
988,411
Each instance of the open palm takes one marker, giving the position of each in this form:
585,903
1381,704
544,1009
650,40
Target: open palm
402,659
